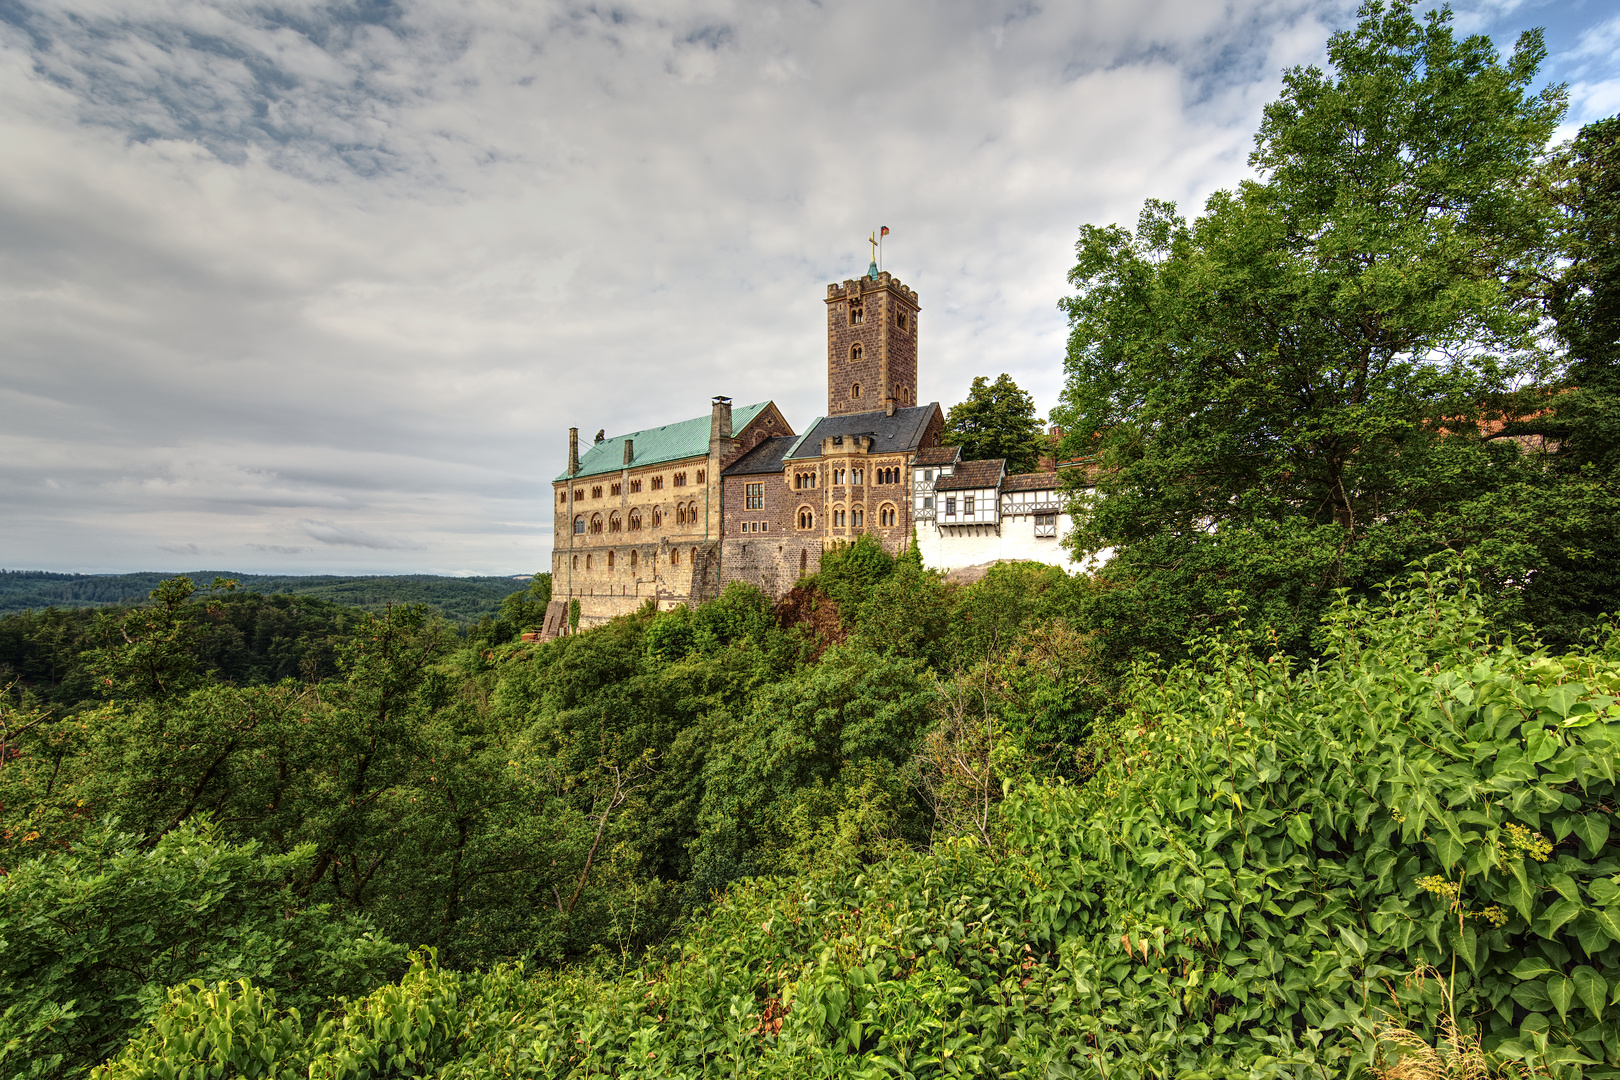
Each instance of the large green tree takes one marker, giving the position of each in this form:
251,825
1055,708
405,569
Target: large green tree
996,421
1293,389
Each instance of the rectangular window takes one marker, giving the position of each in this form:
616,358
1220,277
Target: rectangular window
928,503
658,483
950,506
928,474
764,526
617,489
753,496
967,506
1045,524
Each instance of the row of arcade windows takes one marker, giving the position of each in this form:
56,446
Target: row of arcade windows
685,514
612,560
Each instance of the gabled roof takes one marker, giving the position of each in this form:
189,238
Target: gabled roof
937,455
974,474
900,432
1035,481
672,442
764,458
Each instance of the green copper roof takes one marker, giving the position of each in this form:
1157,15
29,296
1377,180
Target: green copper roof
672,442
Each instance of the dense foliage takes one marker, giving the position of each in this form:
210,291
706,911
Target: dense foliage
1276,869
996,421
1304,387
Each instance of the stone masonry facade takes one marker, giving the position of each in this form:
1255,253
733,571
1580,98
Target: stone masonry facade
670,515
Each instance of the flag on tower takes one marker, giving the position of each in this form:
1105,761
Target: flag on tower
884,231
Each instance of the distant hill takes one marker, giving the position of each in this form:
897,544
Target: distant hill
461,600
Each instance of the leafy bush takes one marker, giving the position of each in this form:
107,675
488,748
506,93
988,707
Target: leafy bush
1269,850
93,937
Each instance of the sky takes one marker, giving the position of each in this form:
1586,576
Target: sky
319,287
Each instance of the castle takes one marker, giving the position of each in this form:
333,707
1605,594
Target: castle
673,513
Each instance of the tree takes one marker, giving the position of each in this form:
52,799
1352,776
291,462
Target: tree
996,421
1292,390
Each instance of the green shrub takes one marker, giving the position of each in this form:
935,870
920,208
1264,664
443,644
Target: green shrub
95,935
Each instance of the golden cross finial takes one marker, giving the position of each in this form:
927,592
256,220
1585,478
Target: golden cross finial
873,241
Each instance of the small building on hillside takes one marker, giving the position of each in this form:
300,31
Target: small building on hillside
971,513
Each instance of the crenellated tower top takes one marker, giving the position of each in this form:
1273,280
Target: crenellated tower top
871,344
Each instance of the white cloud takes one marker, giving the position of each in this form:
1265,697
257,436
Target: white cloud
275,266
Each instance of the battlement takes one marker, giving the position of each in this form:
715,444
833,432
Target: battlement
856,287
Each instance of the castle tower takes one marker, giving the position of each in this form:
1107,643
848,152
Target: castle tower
871,345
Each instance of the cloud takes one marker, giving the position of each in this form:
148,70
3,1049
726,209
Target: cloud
297,261
329,532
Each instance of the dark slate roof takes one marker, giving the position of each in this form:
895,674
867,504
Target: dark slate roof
973,474
764,458
1035,481
902,431
672,442
938,455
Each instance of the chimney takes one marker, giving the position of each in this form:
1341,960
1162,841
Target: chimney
629,451
888,405
573,450
720,418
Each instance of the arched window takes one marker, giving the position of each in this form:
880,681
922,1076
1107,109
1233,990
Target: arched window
680,514
674,556
854,391
635,521
888,516
807,518
562,498
691,513
658,516
579,525
596,492
700,476
632,559
587,562
857,313
860,517
579,494
610,560
614,525
596,524
855,351
576,562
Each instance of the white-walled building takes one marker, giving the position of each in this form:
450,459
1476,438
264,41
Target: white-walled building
970,513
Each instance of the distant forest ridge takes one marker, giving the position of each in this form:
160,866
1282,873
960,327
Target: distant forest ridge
461,600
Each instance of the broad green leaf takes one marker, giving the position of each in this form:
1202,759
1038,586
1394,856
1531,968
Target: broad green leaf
1593,991
1559,914
1357,943
1531,967
1448,849
1593,829
1560,991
